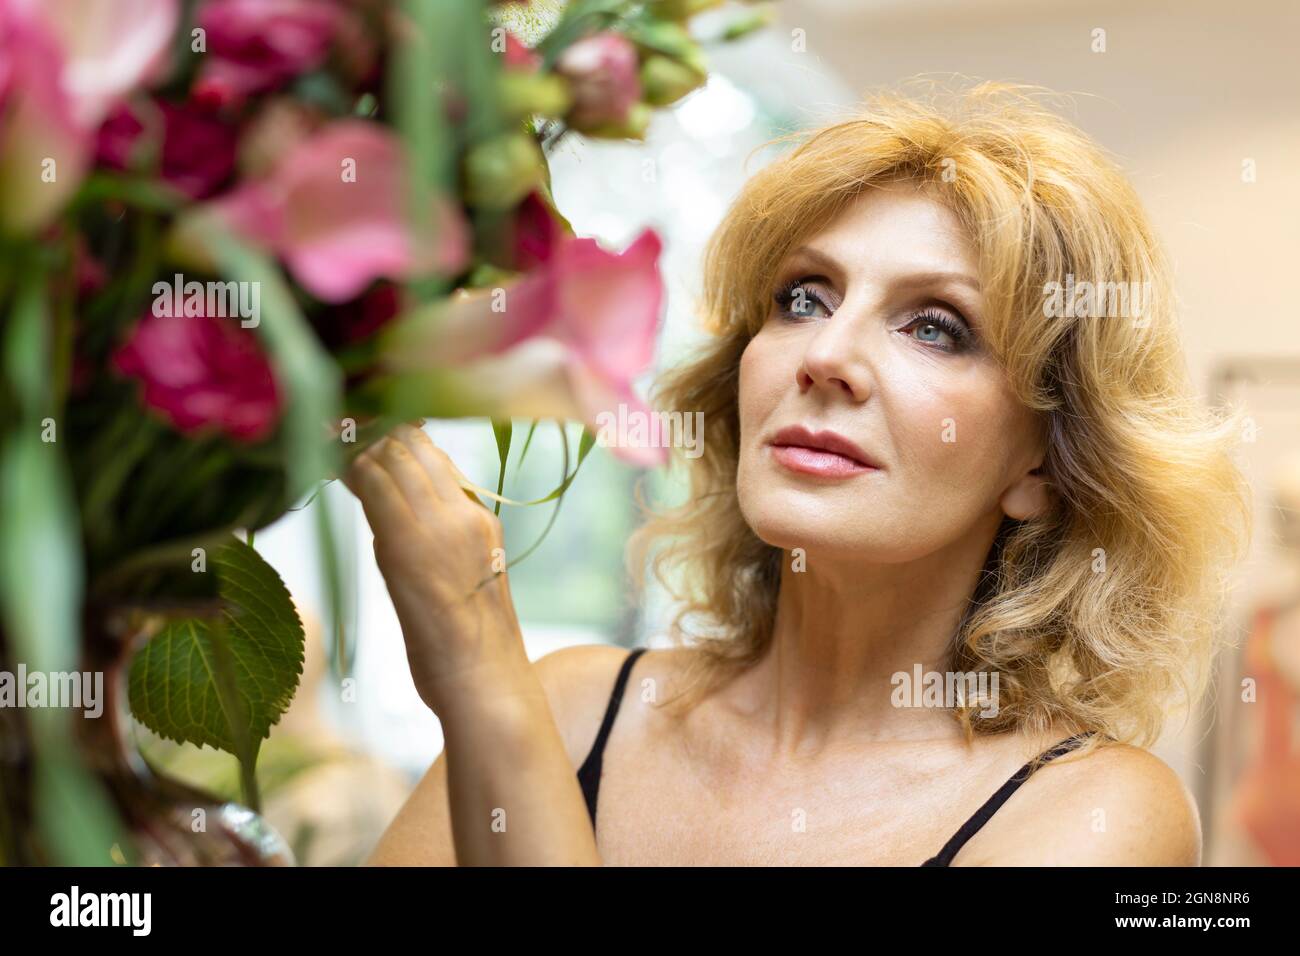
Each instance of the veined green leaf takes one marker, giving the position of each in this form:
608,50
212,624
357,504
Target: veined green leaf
175,679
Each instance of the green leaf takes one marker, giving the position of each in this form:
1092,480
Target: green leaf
502,428
580,18
528,440
135,191
176,688
587,442
743,26
670,39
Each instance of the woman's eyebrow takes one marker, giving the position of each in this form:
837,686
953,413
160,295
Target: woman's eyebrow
937,278
817,257
911,280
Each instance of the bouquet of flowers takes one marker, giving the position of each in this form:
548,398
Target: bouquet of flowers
241,240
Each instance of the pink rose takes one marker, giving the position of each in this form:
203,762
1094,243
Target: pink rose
198,147
602,73
336,208
258,45
118,138
198,153
203,372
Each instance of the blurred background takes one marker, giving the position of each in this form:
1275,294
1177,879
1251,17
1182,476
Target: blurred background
1197,101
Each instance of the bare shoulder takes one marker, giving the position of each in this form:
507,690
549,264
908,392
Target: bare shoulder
1119,805
578,682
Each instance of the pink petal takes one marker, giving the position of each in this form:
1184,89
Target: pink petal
38,123
340,234
339,265
612,304
111,47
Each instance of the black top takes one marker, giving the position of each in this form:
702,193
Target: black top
589,772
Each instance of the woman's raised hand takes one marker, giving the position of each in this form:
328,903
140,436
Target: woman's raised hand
442,556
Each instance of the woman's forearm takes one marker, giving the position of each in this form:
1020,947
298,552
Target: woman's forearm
513,794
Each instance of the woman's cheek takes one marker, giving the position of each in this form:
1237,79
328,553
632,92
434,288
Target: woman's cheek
950,435
759,382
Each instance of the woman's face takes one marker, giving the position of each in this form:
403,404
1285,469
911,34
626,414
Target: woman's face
874,334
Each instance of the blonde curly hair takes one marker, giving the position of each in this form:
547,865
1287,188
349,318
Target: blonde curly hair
1102,614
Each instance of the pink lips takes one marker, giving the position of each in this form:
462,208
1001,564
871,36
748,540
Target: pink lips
824,454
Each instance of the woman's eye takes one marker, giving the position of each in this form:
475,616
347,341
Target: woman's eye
936,329
929,332
801,302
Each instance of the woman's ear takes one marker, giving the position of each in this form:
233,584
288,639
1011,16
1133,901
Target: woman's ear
1028,497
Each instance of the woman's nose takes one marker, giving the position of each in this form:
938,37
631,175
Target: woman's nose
837,356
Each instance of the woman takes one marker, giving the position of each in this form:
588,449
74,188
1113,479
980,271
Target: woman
926,451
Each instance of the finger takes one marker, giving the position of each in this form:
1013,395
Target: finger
380,498
436,462
409,475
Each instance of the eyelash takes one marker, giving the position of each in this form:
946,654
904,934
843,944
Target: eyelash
960,334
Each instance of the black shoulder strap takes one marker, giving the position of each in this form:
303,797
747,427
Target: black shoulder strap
982,815
589,772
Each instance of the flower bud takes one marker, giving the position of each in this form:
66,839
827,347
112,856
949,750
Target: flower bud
665,80
602,74
501,171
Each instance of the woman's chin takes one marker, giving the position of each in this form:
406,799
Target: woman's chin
822,535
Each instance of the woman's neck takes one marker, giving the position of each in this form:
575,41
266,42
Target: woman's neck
843,632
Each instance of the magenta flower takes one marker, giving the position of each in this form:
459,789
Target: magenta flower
118,138
258,45
602,74
350,322
198,147
336,209
537,233
564,341
201,373
198,153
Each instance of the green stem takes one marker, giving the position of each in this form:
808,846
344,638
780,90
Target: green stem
249,793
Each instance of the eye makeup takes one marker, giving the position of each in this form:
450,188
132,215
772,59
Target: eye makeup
800,299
